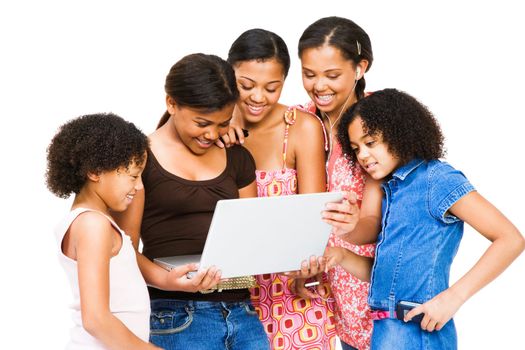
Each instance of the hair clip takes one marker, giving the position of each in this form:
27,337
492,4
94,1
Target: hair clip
358,47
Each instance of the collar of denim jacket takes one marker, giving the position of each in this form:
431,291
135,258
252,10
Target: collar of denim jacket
402,172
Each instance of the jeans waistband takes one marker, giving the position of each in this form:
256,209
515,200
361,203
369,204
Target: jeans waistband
197,304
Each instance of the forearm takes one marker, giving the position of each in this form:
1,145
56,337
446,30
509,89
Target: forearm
359,266
107,328
154,275
365,231
500,254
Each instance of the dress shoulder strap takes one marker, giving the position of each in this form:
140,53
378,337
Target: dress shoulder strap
290,116
310,109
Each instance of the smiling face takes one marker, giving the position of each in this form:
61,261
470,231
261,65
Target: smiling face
117,188
371,152
328,77
260,84
197,130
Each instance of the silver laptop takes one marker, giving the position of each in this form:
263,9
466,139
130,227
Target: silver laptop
252,236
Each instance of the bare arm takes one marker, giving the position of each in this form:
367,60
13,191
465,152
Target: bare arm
357,225
309,154
130,221
507,244
311,178
359,266
92,235
369,224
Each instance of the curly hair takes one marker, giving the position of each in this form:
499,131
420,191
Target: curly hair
91,144
406,126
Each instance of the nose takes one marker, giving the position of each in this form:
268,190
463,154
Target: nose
257,96
319,84
362,153
212,133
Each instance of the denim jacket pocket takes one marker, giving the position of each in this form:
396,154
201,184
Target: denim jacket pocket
169,322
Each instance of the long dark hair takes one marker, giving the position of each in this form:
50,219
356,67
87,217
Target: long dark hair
343,34
259,44
200,81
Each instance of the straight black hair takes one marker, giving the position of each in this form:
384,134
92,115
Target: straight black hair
200,81
259,44
343,34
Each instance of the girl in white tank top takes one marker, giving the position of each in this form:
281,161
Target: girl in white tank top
100,158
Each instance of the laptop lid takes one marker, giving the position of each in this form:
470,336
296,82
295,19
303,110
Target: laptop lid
252,236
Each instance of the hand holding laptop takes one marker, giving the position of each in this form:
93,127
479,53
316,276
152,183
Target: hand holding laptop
344,215
309,268
270,234
177,277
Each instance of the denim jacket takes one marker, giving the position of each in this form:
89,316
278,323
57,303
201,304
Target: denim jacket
419,237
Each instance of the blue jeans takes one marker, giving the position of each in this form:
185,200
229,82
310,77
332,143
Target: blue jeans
396,334
186,324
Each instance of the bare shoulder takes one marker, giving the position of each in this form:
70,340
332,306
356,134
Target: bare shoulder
308,123
90,225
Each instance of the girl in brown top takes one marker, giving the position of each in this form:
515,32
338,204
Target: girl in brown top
184,177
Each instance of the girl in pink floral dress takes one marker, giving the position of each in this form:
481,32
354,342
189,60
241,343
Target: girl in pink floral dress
286,165
335,53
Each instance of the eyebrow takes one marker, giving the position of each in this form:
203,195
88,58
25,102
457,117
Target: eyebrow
332,70
253,81
325,71
199,118
242,76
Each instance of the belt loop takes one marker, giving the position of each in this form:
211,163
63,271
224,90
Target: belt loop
392,305
190,306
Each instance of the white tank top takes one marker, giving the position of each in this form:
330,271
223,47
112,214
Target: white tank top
128,294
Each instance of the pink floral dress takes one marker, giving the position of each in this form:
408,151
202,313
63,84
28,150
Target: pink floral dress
290,322
353,322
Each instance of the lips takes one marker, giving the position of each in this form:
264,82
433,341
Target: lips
370,166
130,197
204,143
324,100
254,110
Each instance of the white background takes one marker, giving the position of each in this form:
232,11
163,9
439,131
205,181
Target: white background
60,60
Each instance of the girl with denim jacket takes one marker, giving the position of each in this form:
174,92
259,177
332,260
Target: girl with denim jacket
426,201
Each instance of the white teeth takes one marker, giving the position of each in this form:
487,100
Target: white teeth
325,97
205,142
255,108
129,196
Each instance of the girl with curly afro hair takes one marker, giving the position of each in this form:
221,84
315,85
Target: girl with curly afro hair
397,140
100,159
